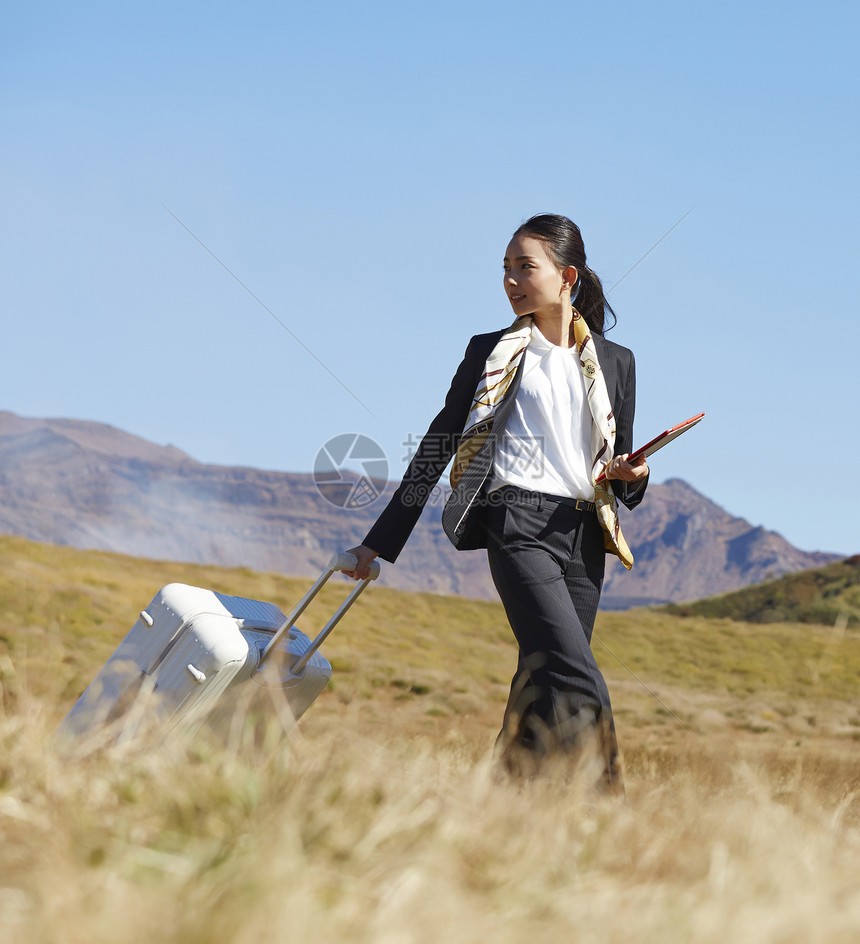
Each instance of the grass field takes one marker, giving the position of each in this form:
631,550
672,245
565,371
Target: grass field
381,818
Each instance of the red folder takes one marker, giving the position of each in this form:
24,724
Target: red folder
659,441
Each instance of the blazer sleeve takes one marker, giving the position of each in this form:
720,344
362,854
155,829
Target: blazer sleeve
393,527
628,493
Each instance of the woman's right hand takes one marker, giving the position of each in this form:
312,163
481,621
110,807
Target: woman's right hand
365,557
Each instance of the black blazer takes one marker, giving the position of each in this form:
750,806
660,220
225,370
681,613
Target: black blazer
461,517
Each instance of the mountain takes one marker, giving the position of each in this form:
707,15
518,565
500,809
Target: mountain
90,485
687,547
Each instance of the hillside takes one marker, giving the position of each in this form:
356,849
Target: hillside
425,657
381,818
826,596
88,485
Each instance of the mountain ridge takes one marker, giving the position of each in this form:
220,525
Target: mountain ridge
91,485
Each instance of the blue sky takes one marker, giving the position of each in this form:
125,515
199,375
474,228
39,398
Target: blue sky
360,169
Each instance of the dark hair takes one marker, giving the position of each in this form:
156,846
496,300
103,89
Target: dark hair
565,247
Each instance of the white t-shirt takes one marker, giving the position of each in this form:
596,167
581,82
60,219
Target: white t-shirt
546,443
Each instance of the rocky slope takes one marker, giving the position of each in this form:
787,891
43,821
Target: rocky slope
93,486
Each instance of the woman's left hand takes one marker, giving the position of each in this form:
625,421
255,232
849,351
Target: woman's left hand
620,468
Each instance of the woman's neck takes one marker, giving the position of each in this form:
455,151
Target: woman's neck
556,326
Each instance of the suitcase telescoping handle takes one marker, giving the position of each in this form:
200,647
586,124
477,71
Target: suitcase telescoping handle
344,561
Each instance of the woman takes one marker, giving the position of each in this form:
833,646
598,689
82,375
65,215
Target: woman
535,413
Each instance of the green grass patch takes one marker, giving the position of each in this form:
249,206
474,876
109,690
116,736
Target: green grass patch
828,596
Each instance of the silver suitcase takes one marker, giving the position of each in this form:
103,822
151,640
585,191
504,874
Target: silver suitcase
190,646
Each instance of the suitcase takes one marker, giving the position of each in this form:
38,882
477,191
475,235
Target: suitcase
190,646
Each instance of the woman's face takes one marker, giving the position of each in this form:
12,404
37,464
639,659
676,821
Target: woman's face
533,283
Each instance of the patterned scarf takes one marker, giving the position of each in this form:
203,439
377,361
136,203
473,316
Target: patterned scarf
499,372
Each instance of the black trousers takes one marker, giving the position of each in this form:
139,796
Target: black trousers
547,562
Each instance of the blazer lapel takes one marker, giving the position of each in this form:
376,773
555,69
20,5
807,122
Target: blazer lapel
609,366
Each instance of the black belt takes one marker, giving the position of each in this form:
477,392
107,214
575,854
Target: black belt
538,498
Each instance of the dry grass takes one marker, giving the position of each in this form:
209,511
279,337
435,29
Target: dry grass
344,837
381,819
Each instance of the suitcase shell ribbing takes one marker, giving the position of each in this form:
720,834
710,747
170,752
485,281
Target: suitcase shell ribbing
186,649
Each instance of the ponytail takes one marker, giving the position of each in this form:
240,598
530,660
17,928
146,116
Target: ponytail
591,302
